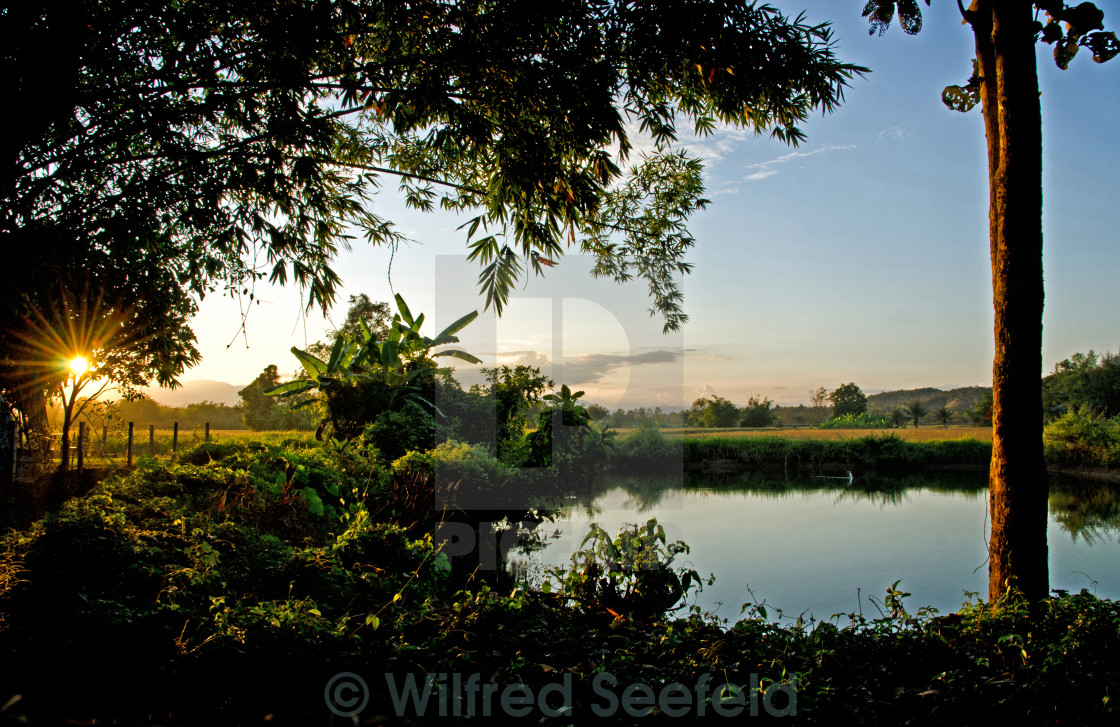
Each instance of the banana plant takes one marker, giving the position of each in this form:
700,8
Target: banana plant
395,363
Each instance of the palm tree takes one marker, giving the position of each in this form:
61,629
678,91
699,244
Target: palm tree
943,415
916,410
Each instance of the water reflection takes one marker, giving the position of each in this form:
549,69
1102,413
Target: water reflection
1086,510
823,546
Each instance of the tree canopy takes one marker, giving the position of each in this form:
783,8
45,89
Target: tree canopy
164,152
713,411
848,399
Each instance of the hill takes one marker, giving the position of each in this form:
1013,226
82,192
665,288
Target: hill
961,399
192,392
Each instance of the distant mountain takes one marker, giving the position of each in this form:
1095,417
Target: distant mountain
193,392
961,399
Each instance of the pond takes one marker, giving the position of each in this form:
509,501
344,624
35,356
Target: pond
819,546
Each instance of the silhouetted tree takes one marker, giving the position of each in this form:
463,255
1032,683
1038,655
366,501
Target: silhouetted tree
915,410
848,399
757,413
943,415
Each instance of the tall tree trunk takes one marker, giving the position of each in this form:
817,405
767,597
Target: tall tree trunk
1005,53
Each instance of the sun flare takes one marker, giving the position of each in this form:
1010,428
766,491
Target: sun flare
79,365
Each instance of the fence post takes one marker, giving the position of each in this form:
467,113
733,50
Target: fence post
152,440
207,431
130,425
81,445
175,438
13,432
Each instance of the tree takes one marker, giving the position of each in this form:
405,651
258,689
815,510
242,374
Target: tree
597,412
168,151
376,317
261,412
848,399
981,414
915,410
79,340
943,415
898,417
515,392
365,379
817,398
257,407
1083,380
1005,84
757,413
713,411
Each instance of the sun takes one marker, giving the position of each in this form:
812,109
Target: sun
79,365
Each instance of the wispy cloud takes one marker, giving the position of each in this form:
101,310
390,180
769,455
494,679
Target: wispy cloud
583,369
592,368
712,148
896,133
770,168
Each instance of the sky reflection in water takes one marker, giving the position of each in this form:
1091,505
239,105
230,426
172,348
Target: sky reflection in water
803,548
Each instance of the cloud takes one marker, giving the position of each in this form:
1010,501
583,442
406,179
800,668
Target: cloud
702,391
712,148
517,358
592,368
767,168
896,133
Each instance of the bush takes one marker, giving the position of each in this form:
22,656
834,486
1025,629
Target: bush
862,420
646,446
1082,437
394,433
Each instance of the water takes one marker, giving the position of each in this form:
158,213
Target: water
818,547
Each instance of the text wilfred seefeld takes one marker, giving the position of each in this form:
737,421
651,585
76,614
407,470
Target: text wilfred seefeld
456,695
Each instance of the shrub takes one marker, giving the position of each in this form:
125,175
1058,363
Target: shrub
863,420
646,446
1082,437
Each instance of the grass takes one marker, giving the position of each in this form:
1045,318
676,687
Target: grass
910,434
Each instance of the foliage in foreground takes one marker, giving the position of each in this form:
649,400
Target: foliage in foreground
234,594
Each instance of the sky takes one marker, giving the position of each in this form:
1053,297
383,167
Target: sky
860,256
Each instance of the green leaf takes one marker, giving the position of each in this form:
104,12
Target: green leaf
406,314
462,355
314,503
336,353
373,622
455,328
297,386
312,365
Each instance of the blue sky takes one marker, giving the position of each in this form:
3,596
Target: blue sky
860,256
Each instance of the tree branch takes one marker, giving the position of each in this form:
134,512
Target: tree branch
384,170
